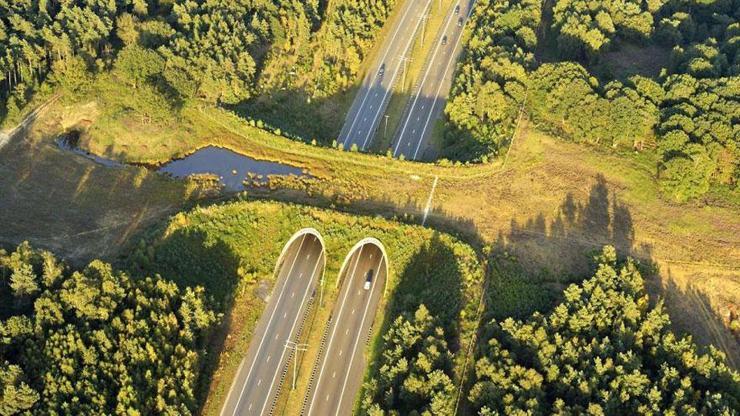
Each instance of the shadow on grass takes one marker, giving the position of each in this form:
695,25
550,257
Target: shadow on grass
73,206
192,258
432,278
705,324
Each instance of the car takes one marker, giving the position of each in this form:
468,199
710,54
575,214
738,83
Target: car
444,40
457,9
368,279
381,71
460,22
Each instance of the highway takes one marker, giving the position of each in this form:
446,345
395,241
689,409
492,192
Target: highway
259,377
428,102
369,104
342,365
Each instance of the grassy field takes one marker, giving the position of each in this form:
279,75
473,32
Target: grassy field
548,204
231,249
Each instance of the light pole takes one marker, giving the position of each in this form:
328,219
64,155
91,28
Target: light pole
297,348
405,61
423,17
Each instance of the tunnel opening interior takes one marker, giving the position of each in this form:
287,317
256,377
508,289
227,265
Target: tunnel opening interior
370,257
303,237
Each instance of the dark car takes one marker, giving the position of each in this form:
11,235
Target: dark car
444,40
368,279
460,22
457,9
381,71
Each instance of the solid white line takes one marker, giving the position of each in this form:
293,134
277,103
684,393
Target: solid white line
354,348
333,332
400,24
423,81
395,74
439,89
267,327
290,334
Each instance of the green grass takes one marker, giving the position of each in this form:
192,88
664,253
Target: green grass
231,250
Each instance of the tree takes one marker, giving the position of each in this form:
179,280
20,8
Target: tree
98,342
414,375
603,350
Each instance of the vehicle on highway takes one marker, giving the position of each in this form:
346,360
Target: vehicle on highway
368,279
444,40
457,9
460,22
381,71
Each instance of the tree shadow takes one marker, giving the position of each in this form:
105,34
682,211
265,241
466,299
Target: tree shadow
190,258
80,209
705,323
557,246
432,278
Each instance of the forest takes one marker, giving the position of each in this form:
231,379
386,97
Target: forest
605,349
172,53
95,341
546,63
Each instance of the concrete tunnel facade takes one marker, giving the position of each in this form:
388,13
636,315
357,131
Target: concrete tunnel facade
355,249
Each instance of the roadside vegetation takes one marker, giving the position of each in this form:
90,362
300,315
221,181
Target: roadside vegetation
175,53
576,150
230,249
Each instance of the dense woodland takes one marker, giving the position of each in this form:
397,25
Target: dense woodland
687,114
415,374
603,351
94,341
211,50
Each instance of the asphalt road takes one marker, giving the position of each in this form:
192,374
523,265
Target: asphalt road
259,377
369,105
342,364
428,102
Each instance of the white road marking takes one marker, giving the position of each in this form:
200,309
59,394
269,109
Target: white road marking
395,73
331,338
423,81
268,358
334,374
290,334
439,89
259,382
292,295
375,77
354,348
285,315
269,322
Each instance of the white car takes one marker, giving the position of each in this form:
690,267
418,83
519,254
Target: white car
368,279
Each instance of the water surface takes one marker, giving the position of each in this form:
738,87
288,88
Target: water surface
232,168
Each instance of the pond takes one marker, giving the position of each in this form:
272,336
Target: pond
232,168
